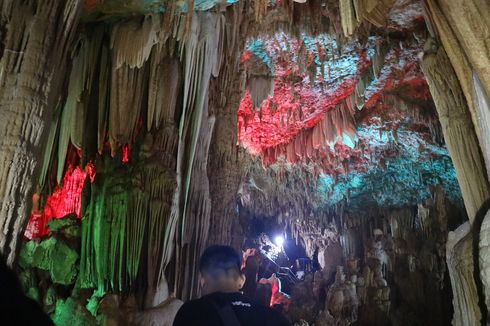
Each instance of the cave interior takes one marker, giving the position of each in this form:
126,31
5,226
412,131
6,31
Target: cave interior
341,146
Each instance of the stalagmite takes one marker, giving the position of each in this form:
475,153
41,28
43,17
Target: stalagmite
459,255
484,257
457,128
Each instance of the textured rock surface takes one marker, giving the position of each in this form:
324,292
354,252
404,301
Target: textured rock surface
457,127
35,43
147,143
52,256
459,253
484,257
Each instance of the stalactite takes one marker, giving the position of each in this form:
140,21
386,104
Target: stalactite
35,42
49,147
201,58
347,17
127,91
165,82
353,12
261,87
337,125
103,102
73,114
133,40
483,113
72,125
375,11
198,217
114,227
129,75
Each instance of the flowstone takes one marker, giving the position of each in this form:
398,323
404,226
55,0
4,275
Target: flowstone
54,257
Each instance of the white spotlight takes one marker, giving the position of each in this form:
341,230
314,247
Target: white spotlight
279,240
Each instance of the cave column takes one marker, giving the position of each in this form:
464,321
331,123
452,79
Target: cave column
442,27
457,126
462,143
470,22
34,40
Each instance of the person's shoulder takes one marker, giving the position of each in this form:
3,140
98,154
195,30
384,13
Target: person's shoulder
188,312
193,304
274,317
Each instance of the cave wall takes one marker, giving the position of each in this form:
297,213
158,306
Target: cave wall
35,42
450,23
148,114
379,266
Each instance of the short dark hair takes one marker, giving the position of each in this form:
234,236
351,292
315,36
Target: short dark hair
218,261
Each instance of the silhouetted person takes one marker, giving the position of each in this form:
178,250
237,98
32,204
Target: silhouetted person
15,307
222,303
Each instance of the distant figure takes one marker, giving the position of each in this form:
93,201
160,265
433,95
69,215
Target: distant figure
16,307
222,303
250,268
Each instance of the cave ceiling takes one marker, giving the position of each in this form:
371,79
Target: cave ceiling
331,113
358,117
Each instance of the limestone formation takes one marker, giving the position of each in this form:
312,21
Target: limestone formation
341,145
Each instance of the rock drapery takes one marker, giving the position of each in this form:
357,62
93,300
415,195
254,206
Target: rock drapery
348,156
150,204
460,262
457,128
32,36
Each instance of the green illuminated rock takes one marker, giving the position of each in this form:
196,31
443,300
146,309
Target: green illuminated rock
53,256
71,313
68,226
27,254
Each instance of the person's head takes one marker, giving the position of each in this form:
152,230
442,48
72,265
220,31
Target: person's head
220,270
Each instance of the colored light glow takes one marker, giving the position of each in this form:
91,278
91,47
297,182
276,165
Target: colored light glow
125,152
279,240
90,4
283,125
303,91
65,200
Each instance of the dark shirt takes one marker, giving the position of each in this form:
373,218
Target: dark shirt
15,307
202,312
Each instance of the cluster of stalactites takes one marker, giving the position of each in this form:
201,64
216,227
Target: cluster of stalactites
141,77
337,126
111,78
334,126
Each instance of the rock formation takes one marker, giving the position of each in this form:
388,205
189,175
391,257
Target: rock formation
136,133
